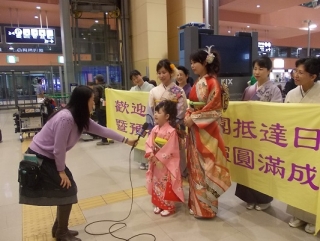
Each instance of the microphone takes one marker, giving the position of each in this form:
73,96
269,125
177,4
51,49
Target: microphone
142,132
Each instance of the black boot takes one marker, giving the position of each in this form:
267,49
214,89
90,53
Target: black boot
66,237
62,233
55,228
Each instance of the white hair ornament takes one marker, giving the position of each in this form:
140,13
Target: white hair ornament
210,56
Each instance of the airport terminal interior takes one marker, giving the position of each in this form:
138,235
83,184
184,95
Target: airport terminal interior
111,38
102,176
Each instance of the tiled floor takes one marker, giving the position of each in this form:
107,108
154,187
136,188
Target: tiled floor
102,172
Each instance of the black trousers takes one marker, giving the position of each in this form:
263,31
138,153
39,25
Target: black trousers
102,120
250,195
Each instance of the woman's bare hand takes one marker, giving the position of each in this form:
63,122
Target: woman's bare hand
132,142
65,181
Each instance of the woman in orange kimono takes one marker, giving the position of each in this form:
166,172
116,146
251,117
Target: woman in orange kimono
164,181
209,176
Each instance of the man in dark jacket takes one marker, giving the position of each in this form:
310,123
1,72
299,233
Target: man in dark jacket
290,85
100,107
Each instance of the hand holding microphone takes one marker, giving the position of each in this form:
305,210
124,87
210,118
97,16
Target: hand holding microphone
132,143
142,133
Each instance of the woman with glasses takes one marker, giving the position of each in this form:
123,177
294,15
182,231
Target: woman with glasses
307,91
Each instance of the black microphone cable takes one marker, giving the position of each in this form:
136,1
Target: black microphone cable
121,222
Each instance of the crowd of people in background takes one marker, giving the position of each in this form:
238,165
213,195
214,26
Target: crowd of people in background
205,96
175,126
174,87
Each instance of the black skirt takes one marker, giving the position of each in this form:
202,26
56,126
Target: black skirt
250,195
49,192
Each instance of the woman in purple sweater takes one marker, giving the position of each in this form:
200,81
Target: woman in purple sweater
60,134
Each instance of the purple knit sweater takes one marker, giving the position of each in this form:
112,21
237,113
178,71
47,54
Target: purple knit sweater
61,133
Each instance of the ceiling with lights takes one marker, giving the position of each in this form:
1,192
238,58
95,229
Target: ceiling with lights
280,22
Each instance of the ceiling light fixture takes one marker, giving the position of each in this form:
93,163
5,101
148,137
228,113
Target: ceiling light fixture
96,21
106,13
38,7
248,26
229,31
36,17
258,6
312,26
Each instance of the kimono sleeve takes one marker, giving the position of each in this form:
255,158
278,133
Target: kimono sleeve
212,110
149,143
169,154
182,106
244,94
276,96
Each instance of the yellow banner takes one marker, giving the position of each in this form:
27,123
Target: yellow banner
126,112
273,148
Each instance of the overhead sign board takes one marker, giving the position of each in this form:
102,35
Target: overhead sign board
30,35
264,46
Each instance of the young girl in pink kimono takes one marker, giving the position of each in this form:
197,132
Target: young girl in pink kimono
164,181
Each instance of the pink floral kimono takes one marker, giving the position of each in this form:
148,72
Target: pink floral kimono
164,181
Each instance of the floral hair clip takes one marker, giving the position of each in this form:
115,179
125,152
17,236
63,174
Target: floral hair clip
210,56
175,71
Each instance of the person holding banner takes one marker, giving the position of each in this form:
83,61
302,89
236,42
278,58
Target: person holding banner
100,105
139,85
164,182
168,90
262,90
307,91
209,176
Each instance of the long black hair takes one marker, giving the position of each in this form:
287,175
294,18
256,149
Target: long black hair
200,56
311,66
78,106
169,107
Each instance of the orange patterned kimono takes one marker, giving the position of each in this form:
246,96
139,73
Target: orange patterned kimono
208,175
164,181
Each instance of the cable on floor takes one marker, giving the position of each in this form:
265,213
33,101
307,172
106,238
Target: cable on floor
121,222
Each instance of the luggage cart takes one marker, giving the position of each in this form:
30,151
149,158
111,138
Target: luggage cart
30,120
60,100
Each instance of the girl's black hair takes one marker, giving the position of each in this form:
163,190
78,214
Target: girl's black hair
311,65
200,56
263,62
165,63
78,106
184,70
169,107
